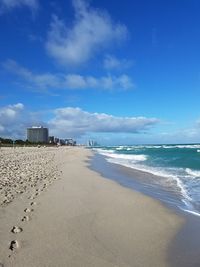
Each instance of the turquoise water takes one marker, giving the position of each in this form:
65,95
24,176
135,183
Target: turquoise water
175,168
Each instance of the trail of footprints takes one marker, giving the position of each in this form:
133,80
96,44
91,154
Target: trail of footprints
15,244
30,167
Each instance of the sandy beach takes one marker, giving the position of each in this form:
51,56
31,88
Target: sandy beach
55,211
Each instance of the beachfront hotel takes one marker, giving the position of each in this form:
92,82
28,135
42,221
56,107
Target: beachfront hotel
38,134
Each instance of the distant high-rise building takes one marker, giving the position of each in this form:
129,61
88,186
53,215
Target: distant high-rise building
51,139
91,143
70,142
38,134
56,140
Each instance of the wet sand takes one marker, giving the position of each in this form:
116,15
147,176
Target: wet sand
184,249
82,219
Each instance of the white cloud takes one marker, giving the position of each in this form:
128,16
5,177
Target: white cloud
6,5
14,119
92,30
9,113
113,63
65,122
74,81
40,80
47,81
10,117
77,122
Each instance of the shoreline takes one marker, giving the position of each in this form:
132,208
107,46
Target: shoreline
136,180
185,247
84,219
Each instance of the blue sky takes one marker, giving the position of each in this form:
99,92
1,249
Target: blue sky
120,72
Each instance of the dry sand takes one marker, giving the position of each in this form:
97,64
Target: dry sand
81,220
23,169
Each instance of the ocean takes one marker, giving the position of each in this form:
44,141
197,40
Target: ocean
174,169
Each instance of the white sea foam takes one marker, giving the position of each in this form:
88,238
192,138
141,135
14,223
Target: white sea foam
180,146
193,173
104,151
197,146
155,146
121,148
174,179
127,148
131,161
128,157
190,208
192,212
133,158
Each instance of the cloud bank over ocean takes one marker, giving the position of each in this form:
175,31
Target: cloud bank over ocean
70,122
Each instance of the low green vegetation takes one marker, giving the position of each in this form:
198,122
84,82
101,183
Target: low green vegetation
18,142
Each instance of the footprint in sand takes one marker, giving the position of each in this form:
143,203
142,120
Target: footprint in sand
27,210
25,219
14,244
31,197
16,230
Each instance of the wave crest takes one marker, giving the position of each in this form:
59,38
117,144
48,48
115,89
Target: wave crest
193,173
110,154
